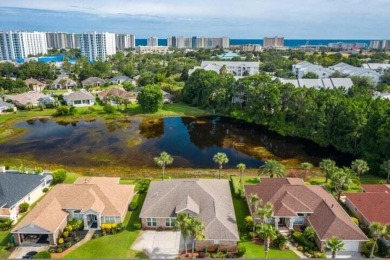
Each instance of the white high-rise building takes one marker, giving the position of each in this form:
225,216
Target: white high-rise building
201,42
124,41
97,46
56,40
152,41
19,45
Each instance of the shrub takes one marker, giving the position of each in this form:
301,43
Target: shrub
59,176
65,234
251,235
279,242
355,220
42,255
59,250
319,255
300,248
77,239
109,109
241,250
45,190
5,224
68,239
366,249
143,186
96,235
60,241
383,248
52,250
302,241
77,224
68,244
249,222
133,206
69,228
137,226
65,111
23,207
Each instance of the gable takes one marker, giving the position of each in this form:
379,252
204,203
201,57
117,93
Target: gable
33,229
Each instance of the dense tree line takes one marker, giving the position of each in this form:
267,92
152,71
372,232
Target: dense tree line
353,123
33,69
10,86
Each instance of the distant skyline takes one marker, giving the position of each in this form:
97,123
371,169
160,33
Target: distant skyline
251,19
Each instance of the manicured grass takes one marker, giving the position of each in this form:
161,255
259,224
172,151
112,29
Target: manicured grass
3,243
175,109
246,180
257,251
71,177
114,246
371,179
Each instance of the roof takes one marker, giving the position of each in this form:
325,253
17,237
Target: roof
231,63
121,78
15,186
209,200
373,203
6,104
328,83
28,97
32,81
291,196
67,81
376,66
116,92
92,81
78,95
100,194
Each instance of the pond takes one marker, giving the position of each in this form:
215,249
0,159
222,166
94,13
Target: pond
136,141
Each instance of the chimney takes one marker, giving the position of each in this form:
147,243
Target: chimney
2,169
332,206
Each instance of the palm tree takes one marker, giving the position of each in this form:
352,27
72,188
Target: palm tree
267,233
334,245
196,231
265,212
254,203
360,167
310,233
273,168
163,160
327,166
241,167
340,178
220,158
182,223
377,230
126,102
306,166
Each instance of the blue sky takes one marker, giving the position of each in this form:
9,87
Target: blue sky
293,19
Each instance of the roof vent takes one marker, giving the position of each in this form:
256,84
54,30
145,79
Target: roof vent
332,206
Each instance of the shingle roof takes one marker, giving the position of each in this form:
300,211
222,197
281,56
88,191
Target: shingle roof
117,92
15,186
103,195
122,78
78,95
291,196
5,104
92,81
32,81
320,83
28,97
212,197
376,187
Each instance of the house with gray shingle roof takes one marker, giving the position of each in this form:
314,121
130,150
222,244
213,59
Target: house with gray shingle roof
92,82
297,204
208,200
79,98
5,106
119,80
16,188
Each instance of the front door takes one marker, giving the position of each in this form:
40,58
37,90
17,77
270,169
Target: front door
92,221
282,222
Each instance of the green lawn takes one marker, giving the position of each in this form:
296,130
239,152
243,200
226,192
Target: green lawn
246,180
257,251
71,177
3,243
371,179
114,246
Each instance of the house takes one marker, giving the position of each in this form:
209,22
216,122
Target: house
349,70
6,107
31,97
302,68
92,82
94,200
79,98
381,95
17,188
378,67
63,82
296,204
34,84
119,80
328,83
117,92
373,205
237,68
208,200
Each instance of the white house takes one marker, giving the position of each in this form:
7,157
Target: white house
79,98
237,68
349,70
302,68
4,106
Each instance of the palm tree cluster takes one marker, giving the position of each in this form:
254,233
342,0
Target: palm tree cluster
163,160
272,168
190,226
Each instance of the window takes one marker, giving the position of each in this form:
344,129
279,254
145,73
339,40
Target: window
77,214
170,222
151,222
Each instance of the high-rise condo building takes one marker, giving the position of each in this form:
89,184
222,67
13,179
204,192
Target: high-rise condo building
57,40
97,46
124,41
152,41
198,42
380,44
273,43
19,45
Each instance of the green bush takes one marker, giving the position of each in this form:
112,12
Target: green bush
59,250
77,239
241,250
133,206
45,190
109,109
143,186
96,235
355,220
23,207
60,241
302,241
319,255
366,249
249,223
69,244
52,250
300,248
137,226
77,224
65,111
251,235
5,224
65,234
59,176
279,242
383,248
42,255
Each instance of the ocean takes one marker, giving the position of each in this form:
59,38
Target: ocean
287,42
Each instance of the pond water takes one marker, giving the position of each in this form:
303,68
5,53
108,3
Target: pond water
135,141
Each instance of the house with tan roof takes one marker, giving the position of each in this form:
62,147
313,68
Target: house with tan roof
372,205
32,97
34,84
92,82
117,92
208,200
296,204
79,99
63,82
94,200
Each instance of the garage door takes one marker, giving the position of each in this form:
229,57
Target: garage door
351,246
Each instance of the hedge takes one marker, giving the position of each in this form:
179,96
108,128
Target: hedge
301,240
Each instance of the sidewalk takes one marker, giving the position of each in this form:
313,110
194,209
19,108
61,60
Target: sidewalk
295,250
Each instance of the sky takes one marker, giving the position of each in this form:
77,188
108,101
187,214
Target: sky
249,19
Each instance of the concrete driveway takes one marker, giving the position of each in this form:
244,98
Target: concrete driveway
346,255
159,244
20,251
